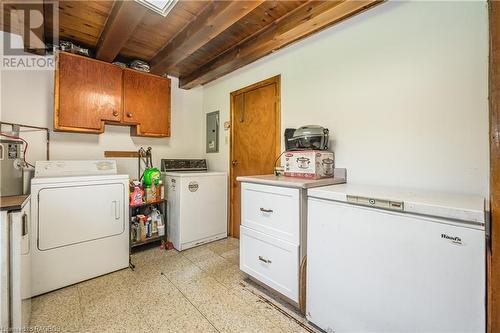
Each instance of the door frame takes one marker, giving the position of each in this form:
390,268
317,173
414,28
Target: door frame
493,248
272,80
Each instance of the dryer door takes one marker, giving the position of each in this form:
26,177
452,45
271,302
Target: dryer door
76,214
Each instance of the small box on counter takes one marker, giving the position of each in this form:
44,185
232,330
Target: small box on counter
313,164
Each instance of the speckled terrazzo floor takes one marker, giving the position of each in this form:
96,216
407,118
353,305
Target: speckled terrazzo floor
198,290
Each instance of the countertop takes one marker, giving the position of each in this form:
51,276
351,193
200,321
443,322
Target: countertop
14,202
339,178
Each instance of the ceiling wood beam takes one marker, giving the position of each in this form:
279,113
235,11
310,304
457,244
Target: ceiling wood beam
307,19
212,21
121,23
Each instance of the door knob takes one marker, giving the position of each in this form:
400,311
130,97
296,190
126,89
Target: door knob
129,114
115,113
234,162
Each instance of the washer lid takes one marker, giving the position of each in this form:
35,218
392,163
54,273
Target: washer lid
54,169
451,206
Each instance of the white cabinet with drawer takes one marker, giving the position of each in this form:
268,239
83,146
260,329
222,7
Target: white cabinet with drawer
271,261
270,244
273,231
271,210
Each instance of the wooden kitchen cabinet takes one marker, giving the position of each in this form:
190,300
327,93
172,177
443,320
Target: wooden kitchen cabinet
87,94
146,102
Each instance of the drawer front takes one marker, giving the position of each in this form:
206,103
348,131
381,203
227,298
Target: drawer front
272,210
271,261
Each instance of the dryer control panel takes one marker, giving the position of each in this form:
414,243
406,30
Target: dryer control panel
74,168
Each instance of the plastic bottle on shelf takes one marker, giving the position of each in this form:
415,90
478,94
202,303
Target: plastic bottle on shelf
160,192
151,193
160,224
137,195
134,230
156,219
149,227
143,230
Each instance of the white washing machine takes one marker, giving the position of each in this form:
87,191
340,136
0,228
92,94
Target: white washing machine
197,202
80,222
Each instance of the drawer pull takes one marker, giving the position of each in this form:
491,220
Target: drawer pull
266,210
267,261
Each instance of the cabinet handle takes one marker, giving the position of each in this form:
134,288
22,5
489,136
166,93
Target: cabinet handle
129,114
267,261
266,210
115,113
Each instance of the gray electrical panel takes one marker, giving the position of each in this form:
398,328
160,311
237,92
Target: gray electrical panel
213,132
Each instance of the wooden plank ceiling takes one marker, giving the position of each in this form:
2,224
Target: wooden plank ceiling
198,41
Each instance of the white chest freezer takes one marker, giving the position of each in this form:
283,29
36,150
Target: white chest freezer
382,260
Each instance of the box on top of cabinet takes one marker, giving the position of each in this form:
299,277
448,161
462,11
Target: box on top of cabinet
312,164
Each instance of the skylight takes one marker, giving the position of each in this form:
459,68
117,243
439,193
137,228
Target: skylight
161,7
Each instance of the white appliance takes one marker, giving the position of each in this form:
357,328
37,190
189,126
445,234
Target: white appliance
80,222
383,260
15,277
197,203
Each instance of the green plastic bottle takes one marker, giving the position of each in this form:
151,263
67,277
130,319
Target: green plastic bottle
151,175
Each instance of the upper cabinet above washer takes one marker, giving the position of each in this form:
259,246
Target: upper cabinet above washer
146,102
89,93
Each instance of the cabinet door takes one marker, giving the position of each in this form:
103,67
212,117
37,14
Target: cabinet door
87,94
146,103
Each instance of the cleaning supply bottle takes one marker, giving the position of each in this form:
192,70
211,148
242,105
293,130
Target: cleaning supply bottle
152,176
143,229
150,193
137,195
156,219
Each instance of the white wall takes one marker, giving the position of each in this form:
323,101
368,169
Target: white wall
402,88
27,98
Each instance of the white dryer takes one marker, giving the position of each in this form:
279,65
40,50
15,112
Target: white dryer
80,222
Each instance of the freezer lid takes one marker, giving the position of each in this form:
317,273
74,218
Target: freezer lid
445,205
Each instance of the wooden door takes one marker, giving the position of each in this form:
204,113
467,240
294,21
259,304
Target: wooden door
146,102
87,94
255,138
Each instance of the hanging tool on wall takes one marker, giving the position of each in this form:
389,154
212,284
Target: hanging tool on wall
150,174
